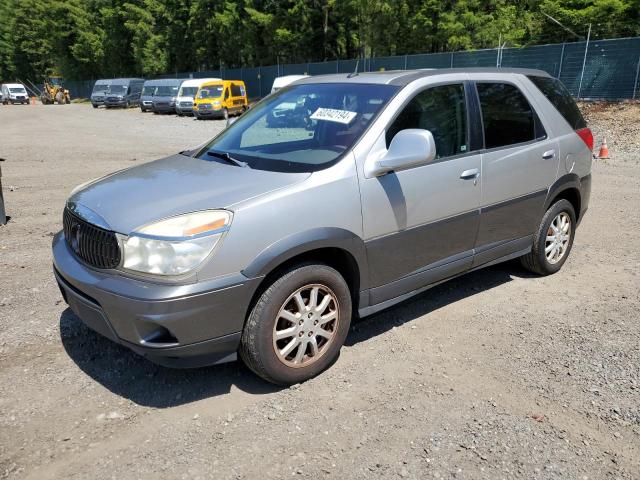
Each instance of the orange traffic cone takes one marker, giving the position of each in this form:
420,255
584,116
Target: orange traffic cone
604,150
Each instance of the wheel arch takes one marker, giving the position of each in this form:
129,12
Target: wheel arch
567,187
335,247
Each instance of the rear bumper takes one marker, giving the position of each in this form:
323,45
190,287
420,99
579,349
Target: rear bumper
585,195
173,325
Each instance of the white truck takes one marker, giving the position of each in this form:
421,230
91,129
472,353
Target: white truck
14,93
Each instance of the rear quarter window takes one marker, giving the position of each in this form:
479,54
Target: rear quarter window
560,97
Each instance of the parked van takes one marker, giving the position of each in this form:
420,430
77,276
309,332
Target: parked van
220,98
148,91
187,94
99,91
164,97
14,93
123,92
280,82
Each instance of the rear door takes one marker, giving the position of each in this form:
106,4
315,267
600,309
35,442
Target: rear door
519,164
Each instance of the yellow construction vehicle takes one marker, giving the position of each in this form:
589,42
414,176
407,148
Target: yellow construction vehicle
54,91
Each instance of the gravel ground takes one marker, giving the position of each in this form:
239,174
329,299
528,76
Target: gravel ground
497,374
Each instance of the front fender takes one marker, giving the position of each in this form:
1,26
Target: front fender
307,241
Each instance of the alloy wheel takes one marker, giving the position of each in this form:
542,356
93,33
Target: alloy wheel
558,236
306,325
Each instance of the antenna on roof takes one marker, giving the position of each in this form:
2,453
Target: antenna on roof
355,71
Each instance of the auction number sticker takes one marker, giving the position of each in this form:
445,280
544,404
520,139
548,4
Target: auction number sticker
333,115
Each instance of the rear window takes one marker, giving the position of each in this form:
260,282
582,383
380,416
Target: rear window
507,116
560,97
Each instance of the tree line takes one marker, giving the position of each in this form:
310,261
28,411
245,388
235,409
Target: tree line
83,39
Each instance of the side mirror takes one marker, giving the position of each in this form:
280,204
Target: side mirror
409,148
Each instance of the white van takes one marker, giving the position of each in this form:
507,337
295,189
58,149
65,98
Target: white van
14,93
280,82
187,92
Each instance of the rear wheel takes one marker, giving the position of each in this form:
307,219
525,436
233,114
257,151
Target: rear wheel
553,240
298,325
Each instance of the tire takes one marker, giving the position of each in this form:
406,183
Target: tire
94,105
143,109
548,237
258,345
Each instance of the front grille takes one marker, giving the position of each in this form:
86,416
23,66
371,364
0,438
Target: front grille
113,99
186,104
94,245
204,106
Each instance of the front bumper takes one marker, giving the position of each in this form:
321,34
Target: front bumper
184,108
164,108
209,113
98,101
173,325
115,103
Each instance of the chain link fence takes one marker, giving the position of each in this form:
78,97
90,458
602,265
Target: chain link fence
599,70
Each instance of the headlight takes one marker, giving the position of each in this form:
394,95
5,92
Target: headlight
216,103
176,245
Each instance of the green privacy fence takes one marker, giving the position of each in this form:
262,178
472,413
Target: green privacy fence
599,70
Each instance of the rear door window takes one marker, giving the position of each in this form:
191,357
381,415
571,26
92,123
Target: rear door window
507,117
560,97
441,110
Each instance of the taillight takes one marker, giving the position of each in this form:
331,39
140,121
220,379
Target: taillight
586,136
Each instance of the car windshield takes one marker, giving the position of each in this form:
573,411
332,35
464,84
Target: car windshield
149,90
117,89
17,90
188,91
100,88
214,91
166,91
302,128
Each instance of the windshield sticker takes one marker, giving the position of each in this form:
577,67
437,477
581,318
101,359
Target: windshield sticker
331,115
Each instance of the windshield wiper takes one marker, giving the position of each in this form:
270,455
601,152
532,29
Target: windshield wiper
228,158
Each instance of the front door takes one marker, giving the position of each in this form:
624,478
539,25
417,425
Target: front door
420,224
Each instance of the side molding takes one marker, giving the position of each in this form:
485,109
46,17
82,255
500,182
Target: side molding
302,242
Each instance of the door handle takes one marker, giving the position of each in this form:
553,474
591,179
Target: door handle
470,174
548,155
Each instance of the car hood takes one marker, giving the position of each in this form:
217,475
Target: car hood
134,197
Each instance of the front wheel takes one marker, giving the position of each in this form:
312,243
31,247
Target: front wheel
298,325
553,240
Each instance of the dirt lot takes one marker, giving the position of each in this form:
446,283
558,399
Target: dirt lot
497,374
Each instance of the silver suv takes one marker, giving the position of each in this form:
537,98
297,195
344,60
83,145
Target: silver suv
370,188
